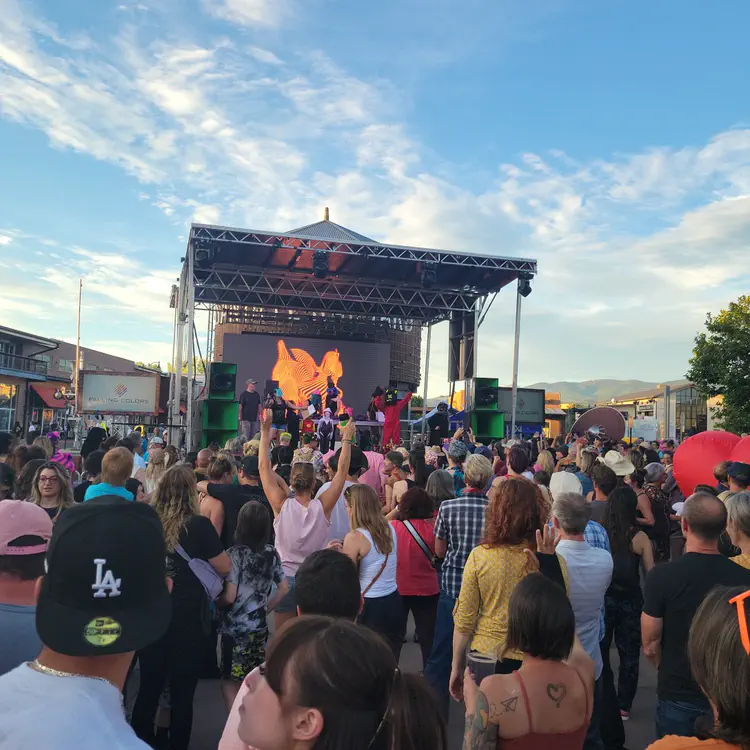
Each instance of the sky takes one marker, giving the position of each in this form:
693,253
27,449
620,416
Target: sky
608,140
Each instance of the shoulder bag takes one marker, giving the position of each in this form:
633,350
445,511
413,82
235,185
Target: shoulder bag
377,575
212,582
435,561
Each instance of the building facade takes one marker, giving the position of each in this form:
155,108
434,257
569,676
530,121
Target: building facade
685,413
33,369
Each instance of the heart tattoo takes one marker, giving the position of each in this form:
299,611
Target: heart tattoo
556,693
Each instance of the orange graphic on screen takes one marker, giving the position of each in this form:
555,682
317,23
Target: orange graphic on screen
299,376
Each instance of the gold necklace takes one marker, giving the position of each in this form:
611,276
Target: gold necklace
38,667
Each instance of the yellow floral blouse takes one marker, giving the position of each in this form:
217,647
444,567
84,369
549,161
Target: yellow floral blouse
490,575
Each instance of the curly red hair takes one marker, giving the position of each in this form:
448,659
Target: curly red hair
514,514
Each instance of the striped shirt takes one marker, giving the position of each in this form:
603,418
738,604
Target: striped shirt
590,572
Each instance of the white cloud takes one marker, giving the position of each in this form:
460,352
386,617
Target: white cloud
265,56
261,13
5,239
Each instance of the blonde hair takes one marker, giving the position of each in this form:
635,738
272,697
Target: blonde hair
175,500
252,448
367,513
46,445
546,462
117,466
477,471
65,498
158,463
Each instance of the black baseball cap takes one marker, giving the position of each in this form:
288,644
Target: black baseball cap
357,462
250,466
105,590
739,471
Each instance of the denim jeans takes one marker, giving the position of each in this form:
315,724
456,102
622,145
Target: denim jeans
679,717
437,671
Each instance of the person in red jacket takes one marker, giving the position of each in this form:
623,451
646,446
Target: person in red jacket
391,406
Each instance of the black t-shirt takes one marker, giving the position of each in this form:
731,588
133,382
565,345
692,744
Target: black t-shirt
250,403
79,492
199,539
278,412
233,497
674,592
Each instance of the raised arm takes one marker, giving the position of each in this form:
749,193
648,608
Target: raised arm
331,496
271,487
405,400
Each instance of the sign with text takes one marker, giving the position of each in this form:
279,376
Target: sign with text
529,405
118,393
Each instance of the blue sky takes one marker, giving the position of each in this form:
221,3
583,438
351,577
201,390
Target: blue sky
609,140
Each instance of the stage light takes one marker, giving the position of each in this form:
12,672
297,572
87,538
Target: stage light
524,283
429,275
205,252
320,264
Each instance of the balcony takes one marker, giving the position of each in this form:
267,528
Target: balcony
22,367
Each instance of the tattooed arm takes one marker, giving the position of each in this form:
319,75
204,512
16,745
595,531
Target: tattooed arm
480,732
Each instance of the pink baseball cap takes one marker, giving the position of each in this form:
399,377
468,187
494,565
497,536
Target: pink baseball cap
21,518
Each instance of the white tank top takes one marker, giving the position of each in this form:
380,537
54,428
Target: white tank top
372,562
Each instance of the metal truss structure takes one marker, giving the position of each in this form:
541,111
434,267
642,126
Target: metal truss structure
328,281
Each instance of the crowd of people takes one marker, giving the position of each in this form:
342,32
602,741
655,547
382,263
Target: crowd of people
520,562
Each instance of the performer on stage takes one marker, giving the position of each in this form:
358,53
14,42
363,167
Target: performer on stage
326,431
439,425
332,396
391,406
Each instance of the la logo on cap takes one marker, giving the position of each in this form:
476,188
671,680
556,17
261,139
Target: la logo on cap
105,585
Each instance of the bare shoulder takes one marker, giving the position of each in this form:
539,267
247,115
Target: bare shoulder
503,696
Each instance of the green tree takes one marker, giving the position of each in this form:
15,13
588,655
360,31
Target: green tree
417,401
720,365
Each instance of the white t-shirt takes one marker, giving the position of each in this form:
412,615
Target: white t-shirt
59,713
340,524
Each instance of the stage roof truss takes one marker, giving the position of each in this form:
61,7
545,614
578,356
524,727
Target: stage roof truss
268,270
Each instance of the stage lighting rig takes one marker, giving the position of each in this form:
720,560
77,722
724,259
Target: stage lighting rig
428,275
524,283
320,264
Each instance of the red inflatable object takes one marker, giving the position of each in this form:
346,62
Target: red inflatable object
741,451
695,459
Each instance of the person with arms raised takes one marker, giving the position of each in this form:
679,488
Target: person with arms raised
672,595
301,522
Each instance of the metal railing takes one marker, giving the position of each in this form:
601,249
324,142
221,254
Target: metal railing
22,364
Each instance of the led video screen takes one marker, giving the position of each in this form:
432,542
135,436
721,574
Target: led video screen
302,365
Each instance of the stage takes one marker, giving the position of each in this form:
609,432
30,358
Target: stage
324,282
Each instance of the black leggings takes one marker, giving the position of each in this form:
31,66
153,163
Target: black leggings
178,657
385,615
424,609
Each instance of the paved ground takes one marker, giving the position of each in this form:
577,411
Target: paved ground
210,713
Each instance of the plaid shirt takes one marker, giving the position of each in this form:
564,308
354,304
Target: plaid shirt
596,535
460,523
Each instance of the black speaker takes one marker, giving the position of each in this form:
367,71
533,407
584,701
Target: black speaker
271,386
222,381
485,394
